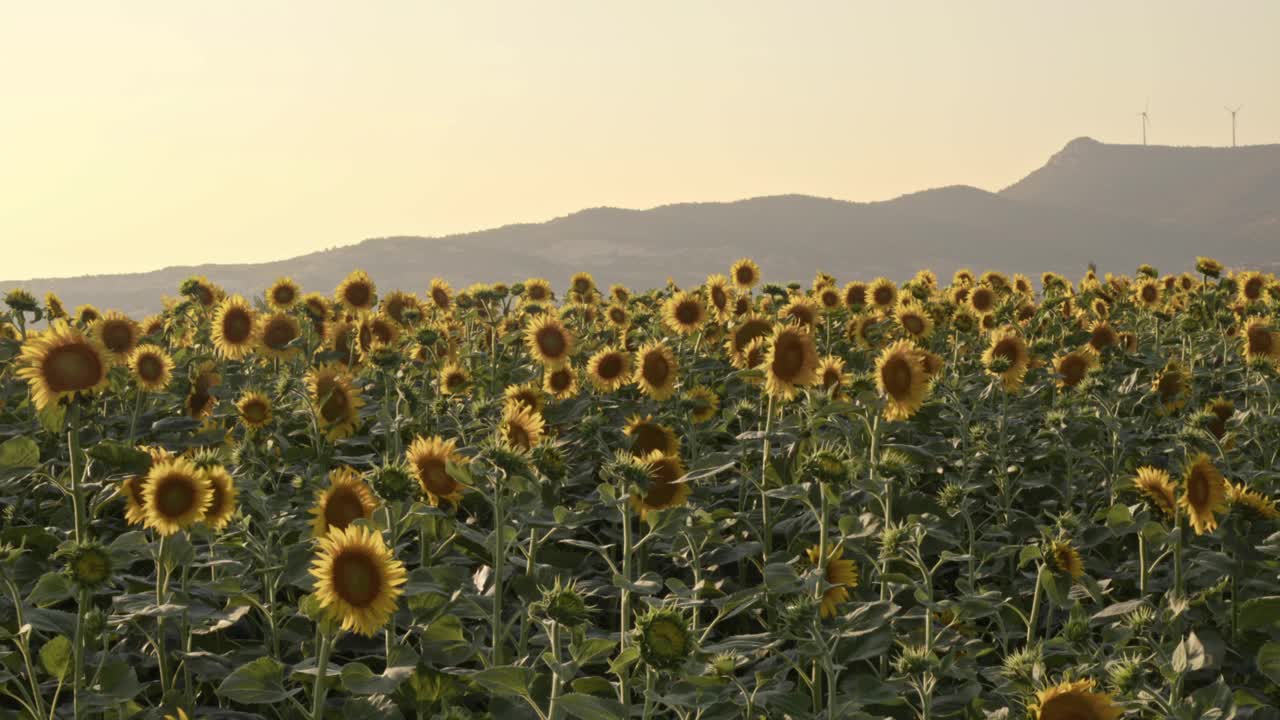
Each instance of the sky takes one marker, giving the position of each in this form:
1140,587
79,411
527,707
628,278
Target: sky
139,134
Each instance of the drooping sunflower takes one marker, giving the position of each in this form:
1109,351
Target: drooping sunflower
656,370
203,290
200,401
337,404
441,294
356,292
865,329
1203,494
528,394
648,435
151,366
1073,701
609,369
1252,501
1157,489
254,409
549,341
743,334
454,379
902,381
705,403
841,575
831,375
1220,410
520,428
234,328
1072,367
283,294
395,303
382,329
1172,385
915,320
222,497
53,305
1066,559
883,294
1007,358
561,383
684,313
118,334
664,489
719,295
1208,266
342,338
276,332
855,296
791,362
346,500
358,579
316,306
61,362
430,457
745,274
1260,341
175,496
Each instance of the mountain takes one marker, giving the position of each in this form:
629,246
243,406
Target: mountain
1114,205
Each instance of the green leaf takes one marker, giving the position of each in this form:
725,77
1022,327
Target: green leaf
590,707
505,680
1029,553
119,680
259,682
121,457
358,679
1118,609
19,452
1269,661
50,589
55,656
1260,612
624,659
1119,517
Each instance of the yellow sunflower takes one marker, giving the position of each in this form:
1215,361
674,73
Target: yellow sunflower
441,294
801,309
356,292
537,290
1073,701
902,381
664,490
200,402
152,326
520,428
831,375
1066,559
656,370
1208,266
382,329
151,366
204,291
1252,500
865,330
222,498
1072,367
234,328
609,369
1251,287
254,409
430,457
86,315
53,304
528,394
337,405
175,496
749,329
358,579
118,334
705,404
1220,411
982,299
560,383
1172,385
454,379
855,295
549,341
61,362
1007,358
283,294
684,313
745,274
342,338
1260,341
395,303
648,435
883,294
719,295
316,306
1147,293
582,285
618,316
915,320
1203,494
619,293
346,500
276,332
1101,337
791,361
841,575
1157,488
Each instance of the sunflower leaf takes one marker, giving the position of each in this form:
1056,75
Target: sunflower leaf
591,707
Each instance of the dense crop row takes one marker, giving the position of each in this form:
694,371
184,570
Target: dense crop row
976,499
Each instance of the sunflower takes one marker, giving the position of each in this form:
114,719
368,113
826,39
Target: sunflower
200,401
959,296
704,404
841,575
831,375
234,328
283,294
1172,386
1101,337
356,292
203,290
1072,367
520,428
664,489
655,371
829,298
618,316
1251,287
1203,493
537,290
648,435
342,338
395,303
337,405
609,369
748,330
791,362
1022,285
619,293
454,379
719,295
528,394
1208,266
118,334
932,363
684,313
915,320
86,315
1073,701
222,498
346,500
316,306
1157,488
151,367
1252,500
175,496
745,274
549,341
582,285
901,378
382,329
254,409
53,304
276,332
61,362
801,309
995,280
561,383
1007,358
1260,341
430,457
1220,410
1066,559
883,294
358,579
982,299
1147,293
864,330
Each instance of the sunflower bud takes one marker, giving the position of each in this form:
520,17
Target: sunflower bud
915,660
392,482
562,603
724,664
664,638
89,565
1125,675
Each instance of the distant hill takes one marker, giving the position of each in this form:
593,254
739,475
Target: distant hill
1115,205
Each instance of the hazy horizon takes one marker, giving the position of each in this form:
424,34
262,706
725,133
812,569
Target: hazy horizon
152,135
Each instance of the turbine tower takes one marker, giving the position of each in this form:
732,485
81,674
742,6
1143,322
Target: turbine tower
1146,118
1233,123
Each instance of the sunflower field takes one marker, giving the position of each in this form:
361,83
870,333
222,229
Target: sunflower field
982,498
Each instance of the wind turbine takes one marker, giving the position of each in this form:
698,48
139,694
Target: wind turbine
1146,119
1233,123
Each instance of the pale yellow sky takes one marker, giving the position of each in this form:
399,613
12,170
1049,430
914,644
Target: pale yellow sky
138,134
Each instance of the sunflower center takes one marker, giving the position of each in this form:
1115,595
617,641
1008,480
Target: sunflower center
358,295
117,336
1170,384
1253,288
551,342
656,370
1102,337
537,293
719,298
435,477
150,369
342,508
744,276
237,326
517,436
561,380
335,405
788,358
581,286
609,367
175,496
91,568
283,295
830,377
687,313
981,300
648,437
72,367
382,331
1198,488
1260,340
618,316
856,296
913,324
1149,293
440,297
278,334
660,494
455,380
356,578
896,375
1069,707
1072,370
255,411
882,296
1007,349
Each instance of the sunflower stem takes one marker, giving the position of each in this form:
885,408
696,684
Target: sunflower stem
77,667
1033,616
1142,566
553,636
73,448
133,419
322,665
624,626
24,641
162,660
499,551
766,530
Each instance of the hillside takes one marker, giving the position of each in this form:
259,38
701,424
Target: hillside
1115,205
